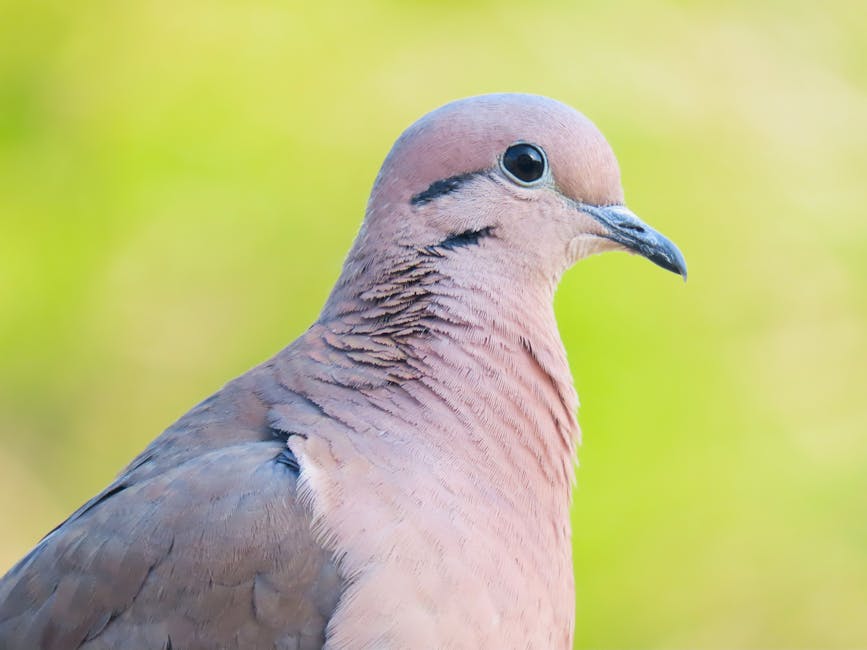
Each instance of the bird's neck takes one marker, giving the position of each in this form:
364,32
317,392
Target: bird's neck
482,345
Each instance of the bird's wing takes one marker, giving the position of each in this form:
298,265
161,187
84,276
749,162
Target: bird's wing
185,550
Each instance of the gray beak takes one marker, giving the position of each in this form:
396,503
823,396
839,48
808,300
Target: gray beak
628,230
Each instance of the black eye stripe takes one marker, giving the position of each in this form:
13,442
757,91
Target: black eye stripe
442,187
524,162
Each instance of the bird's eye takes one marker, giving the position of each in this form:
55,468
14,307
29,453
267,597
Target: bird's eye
524,162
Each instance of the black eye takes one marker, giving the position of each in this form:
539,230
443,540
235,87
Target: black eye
524,162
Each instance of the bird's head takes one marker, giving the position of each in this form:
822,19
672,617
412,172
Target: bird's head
518,178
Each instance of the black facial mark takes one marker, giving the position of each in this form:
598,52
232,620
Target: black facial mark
441,187
466,238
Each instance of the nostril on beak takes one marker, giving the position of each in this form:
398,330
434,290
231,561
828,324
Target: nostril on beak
633,226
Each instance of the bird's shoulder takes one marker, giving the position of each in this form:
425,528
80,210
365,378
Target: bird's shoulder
201,540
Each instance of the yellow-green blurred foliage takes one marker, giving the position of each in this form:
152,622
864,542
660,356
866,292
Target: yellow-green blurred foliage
179,182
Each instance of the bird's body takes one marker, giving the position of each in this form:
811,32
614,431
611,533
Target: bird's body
400,475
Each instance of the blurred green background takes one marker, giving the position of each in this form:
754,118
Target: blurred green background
179,183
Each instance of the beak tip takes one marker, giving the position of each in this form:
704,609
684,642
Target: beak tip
668,256
680,268
681,263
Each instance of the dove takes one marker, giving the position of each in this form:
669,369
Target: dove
400,475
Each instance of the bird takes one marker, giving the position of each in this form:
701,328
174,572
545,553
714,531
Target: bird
400,475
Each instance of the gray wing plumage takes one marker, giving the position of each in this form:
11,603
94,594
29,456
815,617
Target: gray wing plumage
200,543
